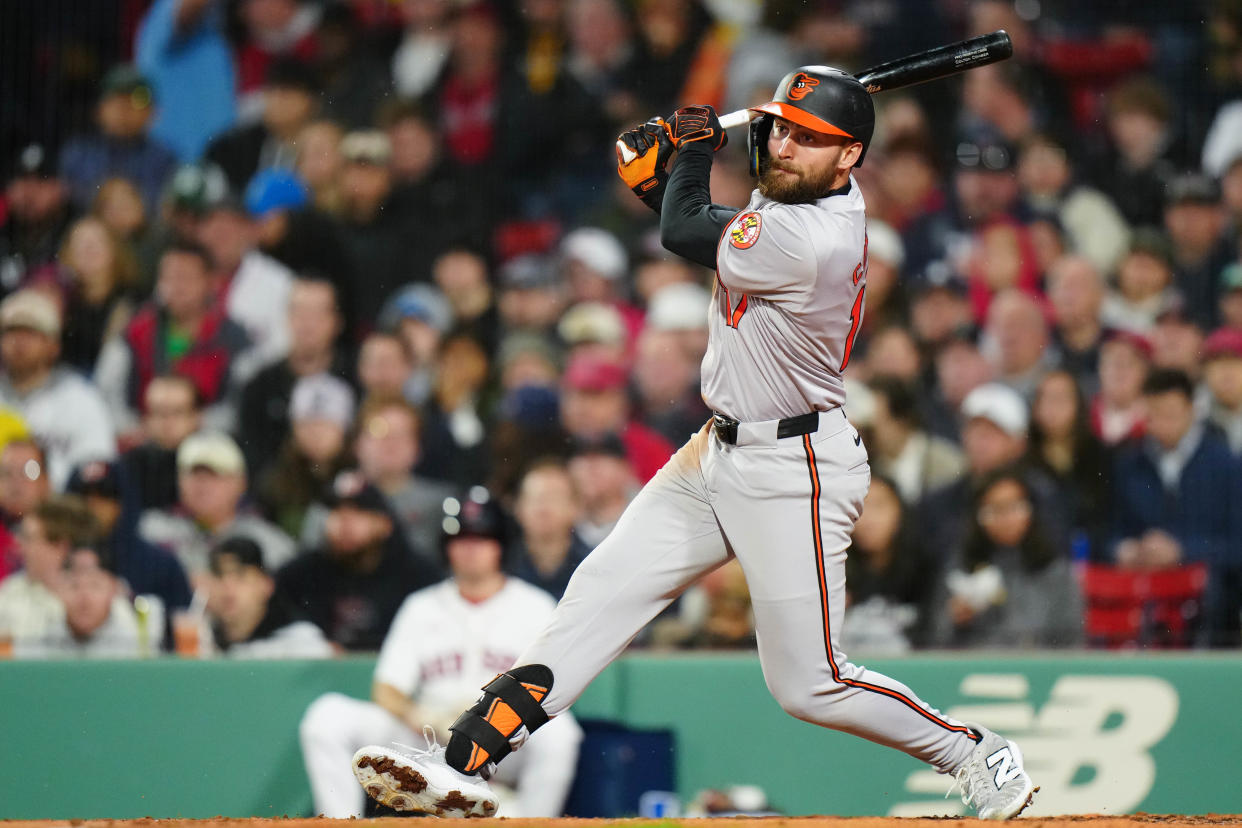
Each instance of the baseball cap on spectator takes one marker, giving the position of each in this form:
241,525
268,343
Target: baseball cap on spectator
597,249
1192,188
367,147
350,488
529,271
589,372
523,343
291,73
1223,342
322,397
246,551
199,188
609,445
998,404
275,189
212,450
97,477
1153,242
34,161
860,404
420,301
884,243
1135,340
678,307
125,79
32,310
1231,277
939,275
592,322
531,406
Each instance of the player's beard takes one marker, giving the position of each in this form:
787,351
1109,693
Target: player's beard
797,186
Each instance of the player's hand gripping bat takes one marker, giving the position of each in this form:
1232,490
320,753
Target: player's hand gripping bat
932,64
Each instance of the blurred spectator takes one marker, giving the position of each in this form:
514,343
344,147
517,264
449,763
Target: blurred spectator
23,486
599,50
995,427
211,482
286,104
468,93
887,303
30,600
939,311
914,461
37,211
454,428
143,568
193,192
424,48
99,620
594,404
1144,284
251,620
1009,585
352,586
594,267
314,323
1075,295
1222,381
670,34
181,47
713,614
319,164
528,361
354,77
682,309
910,178
959,368
385,365
462,276
182,330
532,295
1177,342
388,447
605,482
1063,446
1117,411
279,37
1135,174
420,316
595,329
97,271
666,378
119,206
1095,228
321,413
122,146
893,353
171,411
1195,222
887,580
374,233
63,410
252,286
1016,339
546,508
1175,498
1231,296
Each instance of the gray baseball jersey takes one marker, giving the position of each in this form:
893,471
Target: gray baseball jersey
788,301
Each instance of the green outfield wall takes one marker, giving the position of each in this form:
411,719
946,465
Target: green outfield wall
168,738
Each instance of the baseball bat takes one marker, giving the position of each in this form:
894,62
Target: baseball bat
933,64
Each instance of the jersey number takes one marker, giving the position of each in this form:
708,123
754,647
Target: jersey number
856,312
734,314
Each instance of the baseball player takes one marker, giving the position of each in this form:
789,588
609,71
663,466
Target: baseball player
445,641
776,478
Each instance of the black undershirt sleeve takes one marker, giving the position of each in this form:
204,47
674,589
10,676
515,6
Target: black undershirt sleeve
690,225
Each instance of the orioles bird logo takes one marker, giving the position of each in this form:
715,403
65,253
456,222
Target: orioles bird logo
801,86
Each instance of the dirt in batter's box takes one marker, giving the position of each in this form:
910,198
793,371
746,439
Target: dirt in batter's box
1086,821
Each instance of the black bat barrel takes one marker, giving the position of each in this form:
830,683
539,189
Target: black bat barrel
939,62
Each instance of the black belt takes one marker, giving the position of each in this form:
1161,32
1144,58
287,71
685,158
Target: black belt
726,427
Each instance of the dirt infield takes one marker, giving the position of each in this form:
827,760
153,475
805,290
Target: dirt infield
1086,821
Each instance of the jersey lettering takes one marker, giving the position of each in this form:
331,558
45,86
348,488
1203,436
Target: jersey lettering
733,313
856,314
1008,769
860,271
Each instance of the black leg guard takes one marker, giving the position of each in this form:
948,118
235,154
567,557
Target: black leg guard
509,702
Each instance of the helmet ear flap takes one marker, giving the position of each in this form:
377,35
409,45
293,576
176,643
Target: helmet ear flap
757,143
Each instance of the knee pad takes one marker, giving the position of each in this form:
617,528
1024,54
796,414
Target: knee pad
510,702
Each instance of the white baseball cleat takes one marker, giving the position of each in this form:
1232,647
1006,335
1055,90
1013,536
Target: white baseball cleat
420,780
993,780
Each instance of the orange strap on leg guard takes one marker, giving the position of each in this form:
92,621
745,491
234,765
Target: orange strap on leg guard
510,701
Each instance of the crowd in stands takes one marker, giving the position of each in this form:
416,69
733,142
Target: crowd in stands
314,266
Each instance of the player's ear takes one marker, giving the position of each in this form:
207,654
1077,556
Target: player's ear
851,155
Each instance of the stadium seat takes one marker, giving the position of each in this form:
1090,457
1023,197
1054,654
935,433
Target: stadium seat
1142,608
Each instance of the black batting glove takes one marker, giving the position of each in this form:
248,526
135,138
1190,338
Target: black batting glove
696,123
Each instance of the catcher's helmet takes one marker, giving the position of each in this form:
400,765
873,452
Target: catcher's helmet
820,98
473,515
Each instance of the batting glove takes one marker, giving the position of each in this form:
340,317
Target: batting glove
644,172
696,123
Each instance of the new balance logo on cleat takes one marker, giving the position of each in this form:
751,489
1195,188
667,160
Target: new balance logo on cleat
1008,770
